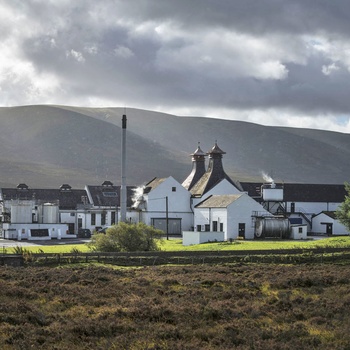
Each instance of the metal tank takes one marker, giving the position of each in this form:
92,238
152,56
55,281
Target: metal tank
48,213
272,192
272,228
21,212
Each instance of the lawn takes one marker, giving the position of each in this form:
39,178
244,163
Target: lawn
176,245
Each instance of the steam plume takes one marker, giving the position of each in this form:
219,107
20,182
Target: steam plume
267,177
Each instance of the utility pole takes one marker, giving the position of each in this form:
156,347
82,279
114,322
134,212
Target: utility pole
167,217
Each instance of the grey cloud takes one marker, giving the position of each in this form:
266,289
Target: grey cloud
239,55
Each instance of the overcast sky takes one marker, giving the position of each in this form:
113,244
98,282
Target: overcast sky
272,62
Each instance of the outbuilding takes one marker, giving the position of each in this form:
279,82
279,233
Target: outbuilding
233,215
327,223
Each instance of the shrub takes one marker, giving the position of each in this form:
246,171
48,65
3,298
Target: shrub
126,237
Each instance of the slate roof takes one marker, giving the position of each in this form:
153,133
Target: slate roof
302,192
198,168
67,199
153,184
109,196
214,175
331,214
219,201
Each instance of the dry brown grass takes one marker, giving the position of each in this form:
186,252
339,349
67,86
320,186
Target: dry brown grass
192,307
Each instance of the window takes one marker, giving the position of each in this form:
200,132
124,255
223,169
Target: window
112,217
72,214
292,207
93,219
199,228
221,227
207,227
109,194
215,226
300,230
173,189
103,219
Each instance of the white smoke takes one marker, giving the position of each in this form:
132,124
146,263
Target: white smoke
137,197
267,177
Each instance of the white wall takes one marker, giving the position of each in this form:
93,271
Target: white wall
298,232
239,211
312,207
22,231
318,227
222,188
178,203
193,237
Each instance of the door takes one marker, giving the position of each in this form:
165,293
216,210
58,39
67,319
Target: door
174,225
241,230
71,228
329,229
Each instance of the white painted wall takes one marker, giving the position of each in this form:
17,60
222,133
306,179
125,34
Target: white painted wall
194,237
223,187
239,211
312,207
298,232
22,231
318,227
178,203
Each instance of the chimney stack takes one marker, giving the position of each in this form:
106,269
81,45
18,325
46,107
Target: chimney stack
123,192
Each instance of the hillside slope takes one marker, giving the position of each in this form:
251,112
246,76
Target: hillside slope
45,146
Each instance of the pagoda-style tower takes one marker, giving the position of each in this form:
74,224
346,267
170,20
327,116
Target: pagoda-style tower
198,168
214,174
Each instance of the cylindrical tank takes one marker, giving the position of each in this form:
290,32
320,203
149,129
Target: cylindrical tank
272,192
48,213
272,228
21,212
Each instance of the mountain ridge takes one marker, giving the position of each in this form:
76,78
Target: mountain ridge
48,145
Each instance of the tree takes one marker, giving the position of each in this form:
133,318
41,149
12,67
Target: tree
343,211
126,237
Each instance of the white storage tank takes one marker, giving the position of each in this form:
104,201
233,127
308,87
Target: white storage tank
48,213
272,192
272,228
21,212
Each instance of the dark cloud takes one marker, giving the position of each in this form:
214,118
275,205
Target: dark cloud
198,55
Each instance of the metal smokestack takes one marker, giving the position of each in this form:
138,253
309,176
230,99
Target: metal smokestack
123,198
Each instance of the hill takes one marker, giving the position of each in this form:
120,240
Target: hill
46,146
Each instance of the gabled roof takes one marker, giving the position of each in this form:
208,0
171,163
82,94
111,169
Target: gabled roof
219,201
302,192
66,199
109,195
153,184
331,214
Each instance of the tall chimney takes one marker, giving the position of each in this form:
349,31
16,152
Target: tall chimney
123,198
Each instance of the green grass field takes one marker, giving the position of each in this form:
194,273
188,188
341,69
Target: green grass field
176,245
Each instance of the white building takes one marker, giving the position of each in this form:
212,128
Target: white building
326,223
233,215
25,216
207,204
166,205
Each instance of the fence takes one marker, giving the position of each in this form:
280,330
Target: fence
286,256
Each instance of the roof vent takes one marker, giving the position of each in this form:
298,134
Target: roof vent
65,188
22,187
107,184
